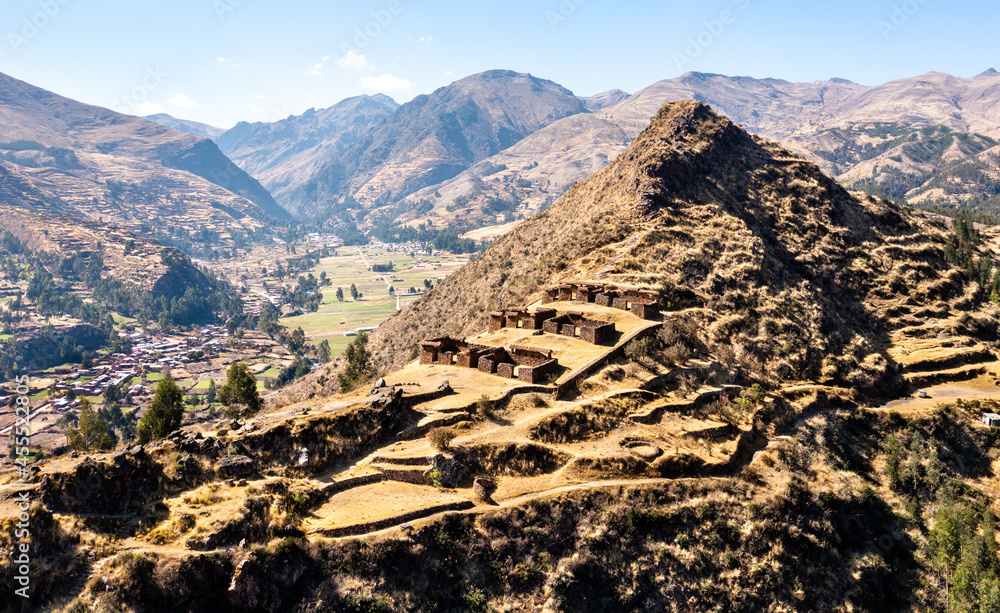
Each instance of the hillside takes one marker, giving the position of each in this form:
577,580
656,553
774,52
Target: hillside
285,154
705,440
430,139
803,279
94,165
898,140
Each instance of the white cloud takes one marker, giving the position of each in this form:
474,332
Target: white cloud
182,101
316,73
426,39
258,96
227,61
386,83
148,108
353,61
448,73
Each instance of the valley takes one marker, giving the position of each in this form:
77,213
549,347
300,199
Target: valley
724,343
701,363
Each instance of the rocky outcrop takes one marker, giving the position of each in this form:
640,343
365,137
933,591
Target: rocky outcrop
235,465
119,486
449,471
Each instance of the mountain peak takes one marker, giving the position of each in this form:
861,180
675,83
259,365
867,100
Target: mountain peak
989,72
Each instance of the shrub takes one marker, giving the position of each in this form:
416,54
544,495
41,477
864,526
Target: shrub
683,540
682,330
484,407
675,354
441,438
639,348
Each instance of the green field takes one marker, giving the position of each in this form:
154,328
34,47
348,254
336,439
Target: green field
334,318
154,376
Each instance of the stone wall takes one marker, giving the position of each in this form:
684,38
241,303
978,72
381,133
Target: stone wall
382,524
643,303
537,374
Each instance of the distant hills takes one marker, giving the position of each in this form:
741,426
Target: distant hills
188,127
288,154
501,145
73,175
801,278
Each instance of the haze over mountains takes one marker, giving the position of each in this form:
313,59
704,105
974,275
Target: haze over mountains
928,138
183,125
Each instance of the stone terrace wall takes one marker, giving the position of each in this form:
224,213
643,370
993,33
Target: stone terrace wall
389,522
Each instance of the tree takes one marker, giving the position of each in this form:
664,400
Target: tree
269,314
239,393
212,393
68,420
340,294
359,367
427,284
93,433
392,291
296,340
123,422
354,291
164,414
113,394
324,351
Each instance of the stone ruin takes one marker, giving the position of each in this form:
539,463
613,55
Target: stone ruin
643,303
520,318
528,364
574,323
549,321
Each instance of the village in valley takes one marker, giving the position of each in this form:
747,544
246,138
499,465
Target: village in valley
197,357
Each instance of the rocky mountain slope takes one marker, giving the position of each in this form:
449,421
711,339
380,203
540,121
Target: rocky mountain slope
426,141
805,280
896,140
99,167
286,154
187,126
749,473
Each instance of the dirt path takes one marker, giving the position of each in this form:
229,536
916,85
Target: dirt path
976,389
387,282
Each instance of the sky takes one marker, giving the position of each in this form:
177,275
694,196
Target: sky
224,61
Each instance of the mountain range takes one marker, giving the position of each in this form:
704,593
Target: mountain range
73,175
500,144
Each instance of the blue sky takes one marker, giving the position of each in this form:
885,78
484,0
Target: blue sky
222,61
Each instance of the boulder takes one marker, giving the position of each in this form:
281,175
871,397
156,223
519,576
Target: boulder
234,465
450,469
482,488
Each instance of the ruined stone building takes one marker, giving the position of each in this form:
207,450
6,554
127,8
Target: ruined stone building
642,303
527,364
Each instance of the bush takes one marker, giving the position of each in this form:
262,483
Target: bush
639,348
675,354
682,330
441,438
484,407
